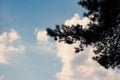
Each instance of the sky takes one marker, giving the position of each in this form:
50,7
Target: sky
27,53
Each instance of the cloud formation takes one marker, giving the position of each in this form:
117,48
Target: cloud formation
81,66
76,20
43,41
9,42
75,66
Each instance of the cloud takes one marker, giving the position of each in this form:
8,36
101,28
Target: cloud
41,36
76,20
81,66
20,48
9,42
66,55
43,41
75,66
13,35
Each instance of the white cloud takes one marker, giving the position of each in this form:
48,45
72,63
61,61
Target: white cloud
66,54
13,35
9,42
42,36
76,20
20,48
75,66
81,66
43,41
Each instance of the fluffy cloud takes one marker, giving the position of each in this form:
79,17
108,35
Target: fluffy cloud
81,66
13,35
76,20
9,42
43,41
75,66
42,36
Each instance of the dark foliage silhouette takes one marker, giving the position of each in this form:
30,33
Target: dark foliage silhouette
103,35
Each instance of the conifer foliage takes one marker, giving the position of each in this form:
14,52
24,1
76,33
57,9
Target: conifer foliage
103,32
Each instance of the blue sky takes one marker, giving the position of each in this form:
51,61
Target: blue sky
25,16
27,53
28,14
